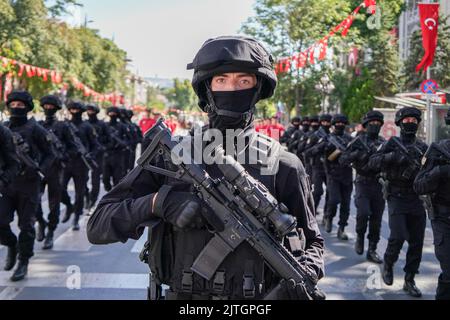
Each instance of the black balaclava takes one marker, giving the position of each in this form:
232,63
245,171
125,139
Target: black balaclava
447,118
50,113
77,117
306,126
233,109
315,127
339,129
326,127
92,117
114,118
409,130
18,116
373,130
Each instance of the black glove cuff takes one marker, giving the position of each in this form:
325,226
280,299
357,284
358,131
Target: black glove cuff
163,192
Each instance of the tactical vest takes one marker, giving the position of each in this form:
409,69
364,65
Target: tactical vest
170,253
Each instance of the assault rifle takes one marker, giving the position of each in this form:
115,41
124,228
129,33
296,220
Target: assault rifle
23,153
241,204
85,155
414,166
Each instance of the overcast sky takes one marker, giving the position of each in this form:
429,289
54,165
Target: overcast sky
162,36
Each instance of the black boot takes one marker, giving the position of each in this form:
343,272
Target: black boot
328,224
388,274
443,289
75,224
372,254
410,286
21,272
40,231
359,245
48,243
341,234
69,210
11,258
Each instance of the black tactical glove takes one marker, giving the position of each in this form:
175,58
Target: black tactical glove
394,158
181,209
294,291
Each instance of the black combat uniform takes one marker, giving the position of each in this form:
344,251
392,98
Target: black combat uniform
136,137
339,176
63,143
114,160
434,180
297,136
124,212
9,163
407,217
104,140
76,168
369,199
316,161
22,195
288,135
303,141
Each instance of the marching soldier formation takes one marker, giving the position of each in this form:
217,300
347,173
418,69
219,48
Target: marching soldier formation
321,162
50,153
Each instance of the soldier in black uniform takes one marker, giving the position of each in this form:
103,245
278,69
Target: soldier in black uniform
369,199
288,134
9,163
103,136
113,163
407,217
302,143
228,90
131,139
434,180
339,177
22,194
296,137
62,146
315,156
76,168
136,135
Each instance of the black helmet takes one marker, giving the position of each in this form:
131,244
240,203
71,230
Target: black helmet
339,118
23,96
113,109
130,114
306,119
325,117
93,107
52,100
372,116
407,112
76,105
296,119
314,118
232,54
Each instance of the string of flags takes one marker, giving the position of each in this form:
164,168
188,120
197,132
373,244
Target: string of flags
57,78
301,59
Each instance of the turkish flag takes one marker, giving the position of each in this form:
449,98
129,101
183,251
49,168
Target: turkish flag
429,20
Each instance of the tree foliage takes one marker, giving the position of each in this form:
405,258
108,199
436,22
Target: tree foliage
31,32
291,26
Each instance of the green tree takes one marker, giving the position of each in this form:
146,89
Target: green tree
441,65
182,96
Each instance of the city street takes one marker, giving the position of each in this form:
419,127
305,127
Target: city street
77,270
